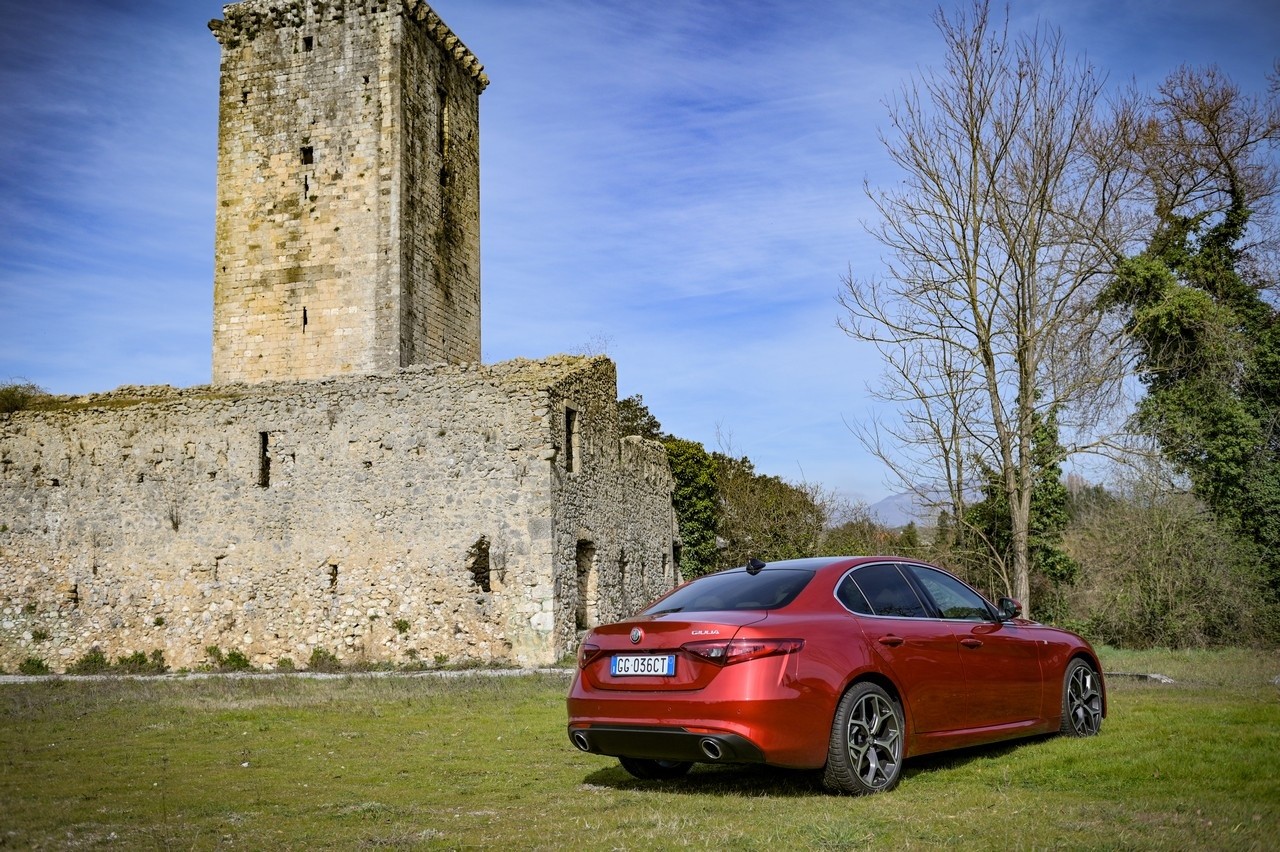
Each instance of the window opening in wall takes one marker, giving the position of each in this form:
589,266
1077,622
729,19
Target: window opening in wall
304,319
588,610
570,440
308,155
478,564
622,579
676,552
308,43
264,459
244,96
333,579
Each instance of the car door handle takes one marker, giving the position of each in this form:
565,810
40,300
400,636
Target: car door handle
891,641
970,642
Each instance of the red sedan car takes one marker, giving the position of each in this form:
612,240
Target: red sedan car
849,663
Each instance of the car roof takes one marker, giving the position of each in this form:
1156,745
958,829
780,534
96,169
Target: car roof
817,563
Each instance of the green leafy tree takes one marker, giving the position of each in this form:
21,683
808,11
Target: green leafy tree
860,534
634,418
765,517
989,538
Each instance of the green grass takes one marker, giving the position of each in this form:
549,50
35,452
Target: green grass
482,760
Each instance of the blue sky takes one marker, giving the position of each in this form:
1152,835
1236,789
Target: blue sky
676,184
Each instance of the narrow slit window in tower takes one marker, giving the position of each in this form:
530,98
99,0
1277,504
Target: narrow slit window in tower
264,459
570,440
308,155
308,43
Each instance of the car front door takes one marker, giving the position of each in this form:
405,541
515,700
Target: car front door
1001,659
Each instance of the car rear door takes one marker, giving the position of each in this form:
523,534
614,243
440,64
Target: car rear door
920,652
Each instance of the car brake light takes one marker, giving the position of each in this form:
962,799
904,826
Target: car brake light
587,653
726,652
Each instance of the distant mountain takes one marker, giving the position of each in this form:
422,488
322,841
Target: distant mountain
898,510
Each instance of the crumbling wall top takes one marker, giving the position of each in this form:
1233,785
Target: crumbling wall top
243,21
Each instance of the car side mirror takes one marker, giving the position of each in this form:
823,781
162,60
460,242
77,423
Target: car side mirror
1009,609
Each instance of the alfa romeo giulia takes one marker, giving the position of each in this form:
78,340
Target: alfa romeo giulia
848,664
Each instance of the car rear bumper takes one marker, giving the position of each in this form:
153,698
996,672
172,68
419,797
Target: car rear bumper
663,743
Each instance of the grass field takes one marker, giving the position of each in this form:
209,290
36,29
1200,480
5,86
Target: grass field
482,760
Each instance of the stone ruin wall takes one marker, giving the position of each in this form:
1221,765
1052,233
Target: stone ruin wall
426,514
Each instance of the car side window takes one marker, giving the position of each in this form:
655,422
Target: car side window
954,599
888,591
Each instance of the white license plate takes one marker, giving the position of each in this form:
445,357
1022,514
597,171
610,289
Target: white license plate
653,665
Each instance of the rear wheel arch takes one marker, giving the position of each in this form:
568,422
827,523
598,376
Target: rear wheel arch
886,683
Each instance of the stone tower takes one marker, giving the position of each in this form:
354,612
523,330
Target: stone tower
348,217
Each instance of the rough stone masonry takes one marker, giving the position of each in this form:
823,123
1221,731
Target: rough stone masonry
352,481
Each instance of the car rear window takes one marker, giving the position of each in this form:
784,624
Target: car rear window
735,590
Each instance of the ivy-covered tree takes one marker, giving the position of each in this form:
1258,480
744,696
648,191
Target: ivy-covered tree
697,505
1199,307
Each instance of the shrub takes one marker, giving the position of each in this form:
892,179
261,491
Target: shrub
231,661
323,661
140,663
39,635
19,395
401,625
286,664
1161,571
93,662
236,661
33,666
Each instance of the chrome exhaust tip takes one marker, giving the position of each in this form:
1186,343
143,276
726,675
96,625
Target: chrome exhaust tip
711,748
581,741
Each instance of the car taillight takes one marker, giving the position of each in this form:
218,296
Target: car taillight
726,652
587,653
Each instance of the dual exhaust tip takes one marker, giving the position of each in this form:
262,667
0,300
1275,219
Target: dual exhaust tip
710,746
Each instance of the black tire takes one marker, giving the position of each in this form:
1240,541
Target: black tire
865,751
1081,700
655,770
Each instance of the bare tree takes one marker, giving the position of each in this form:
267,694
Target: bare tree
1009,215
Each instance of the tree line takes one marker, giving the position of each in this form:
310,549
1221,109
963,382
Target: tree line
1069,270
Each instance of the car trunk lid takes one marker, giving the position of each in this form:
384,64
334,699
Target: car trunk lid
665,652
